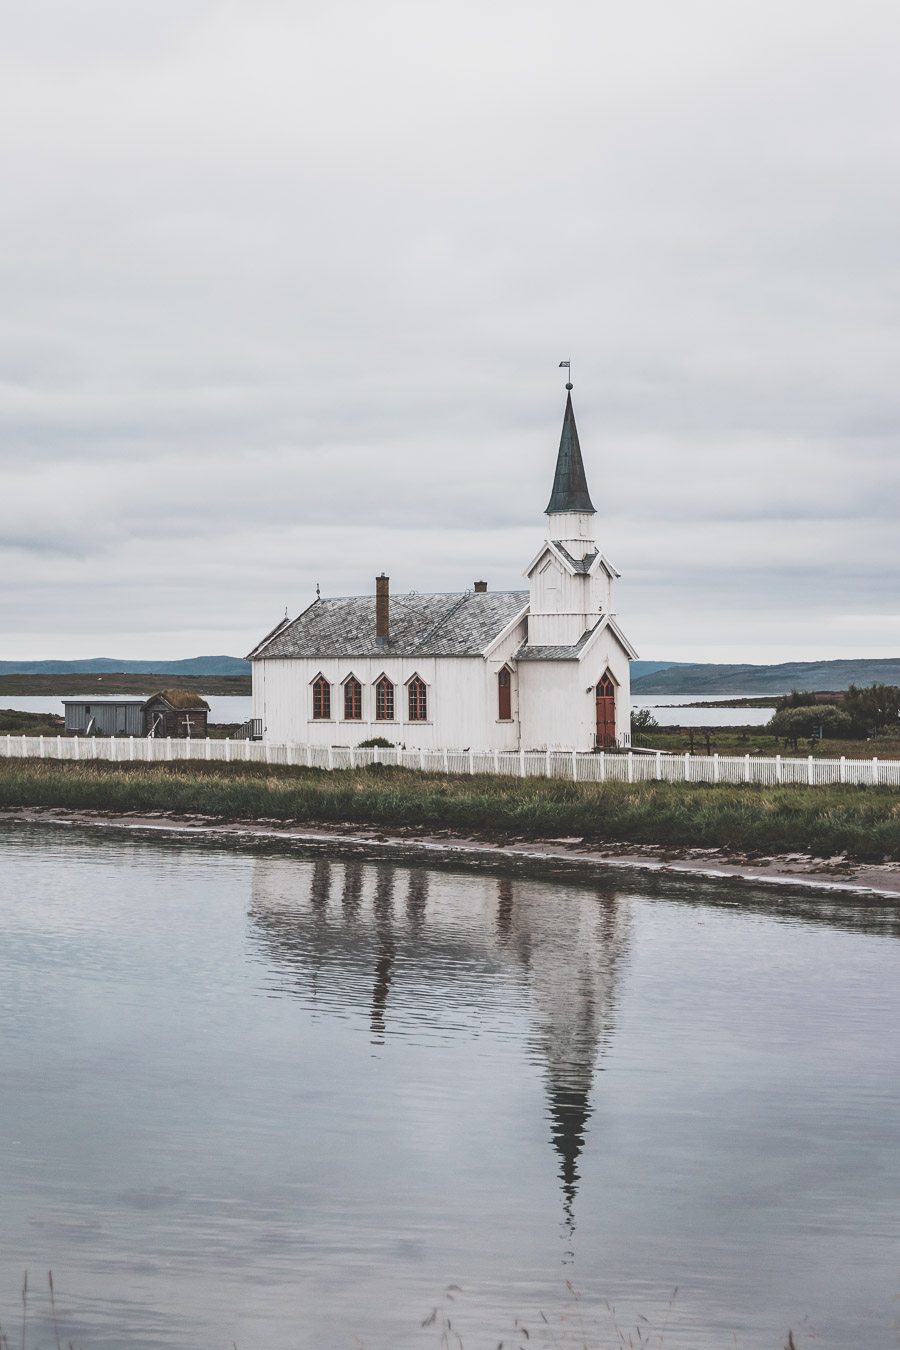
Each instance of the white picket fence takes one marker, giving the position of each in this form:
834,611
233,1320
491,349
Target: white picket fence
573,765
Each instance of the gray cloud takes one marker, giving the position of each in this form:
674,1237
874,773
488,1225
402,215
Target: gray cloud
285,287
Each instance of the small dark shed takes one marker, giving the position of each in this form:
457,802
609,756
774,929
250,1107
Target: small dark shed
175,712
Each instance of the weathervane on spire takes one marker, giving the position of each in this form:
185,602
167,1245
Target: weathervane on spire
568,366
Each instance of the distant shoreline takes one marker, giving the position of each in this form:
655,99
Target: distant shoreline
101,685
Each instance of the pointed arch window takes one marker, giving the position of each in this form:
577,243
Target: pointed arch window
384,700
504,695
418,700
321,699
352,699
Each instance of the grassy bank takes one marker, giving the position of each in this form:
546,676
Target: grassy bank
863,822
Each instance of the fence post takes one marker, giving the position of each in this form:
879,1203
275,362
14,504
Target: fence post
330,757
631,766
496,761
75,739
777,768
471,763
353,757
875,770
574,766
208,748
168,747
747,768
546,763
843,768
113,749
446,760
41,746
421,759
228,752
521,763
716,767
809,770
308,755
602,766
687,766
59,747
9,743
659,764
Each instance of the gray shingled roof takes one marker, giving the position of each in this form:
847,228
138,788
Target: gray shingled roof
456,624
527,653
582,565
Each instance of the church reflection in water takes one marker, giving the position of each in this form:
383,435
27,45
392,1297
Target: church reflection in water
413,948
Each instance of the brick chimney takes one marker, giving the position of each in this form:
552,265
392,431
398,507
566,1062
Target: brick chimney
480,586
382,610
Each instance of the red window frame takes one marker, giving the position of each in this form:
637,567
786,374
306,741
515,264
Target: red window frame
384,700
321,699
418,700
352,700
504,695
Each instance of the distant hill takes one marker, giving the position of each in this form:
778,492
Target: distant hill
192,665
780,679
639,668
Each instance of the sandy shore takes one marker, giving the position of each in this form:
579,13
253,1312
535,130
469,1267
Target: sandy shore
559,855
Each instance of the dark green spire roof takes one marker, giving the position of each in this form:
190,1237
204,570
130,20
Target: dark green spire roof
570,489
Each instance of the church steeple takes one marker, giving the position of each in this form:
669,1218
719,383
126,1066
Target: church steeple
570,490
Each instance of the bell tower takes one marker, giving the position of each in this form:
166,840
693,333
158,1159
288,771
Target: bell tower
570,511
570,582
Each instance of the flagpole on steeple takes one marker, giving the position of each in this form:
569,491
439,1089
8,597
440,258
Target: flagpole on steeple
568,366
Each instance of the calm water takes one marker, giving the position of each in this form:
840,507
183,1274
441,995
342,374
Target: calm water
672,710
668,710
278,1101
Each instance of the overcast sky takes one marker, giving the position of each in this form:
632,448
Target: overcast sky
285,287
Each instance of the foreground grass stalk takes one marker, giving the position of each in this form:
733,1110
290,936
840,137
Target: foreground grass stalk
862,822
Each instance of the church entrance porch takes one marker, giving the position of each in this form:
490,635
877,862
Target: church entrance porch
606,714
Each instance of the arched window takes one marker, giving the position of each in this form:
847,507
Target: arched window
418,700
321,698
504,695
352,700
384,700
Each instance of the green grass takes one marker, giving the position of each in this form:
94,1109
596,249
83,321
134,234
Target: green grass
30,723
757,740
863,822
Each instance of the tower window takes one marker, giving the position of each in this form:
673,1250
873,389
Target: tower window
418,700
504,695
384,700
321,699
352,700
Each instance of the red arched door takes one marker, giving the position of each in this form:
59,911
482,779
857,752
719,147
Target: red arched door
606,714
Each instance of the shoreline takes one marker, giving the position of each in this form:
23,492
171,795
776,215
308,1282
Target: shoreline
571,855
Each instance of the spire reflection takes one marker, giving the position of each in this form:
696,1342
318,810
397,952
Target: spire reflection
352,945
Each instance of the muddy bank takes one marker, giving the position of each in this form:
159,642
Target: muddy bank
559,855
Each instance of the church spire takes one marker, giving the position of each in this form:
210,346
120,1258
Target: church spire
570,489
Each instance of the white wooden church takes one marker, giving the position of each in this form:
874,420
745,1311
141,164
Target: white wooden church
542,669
